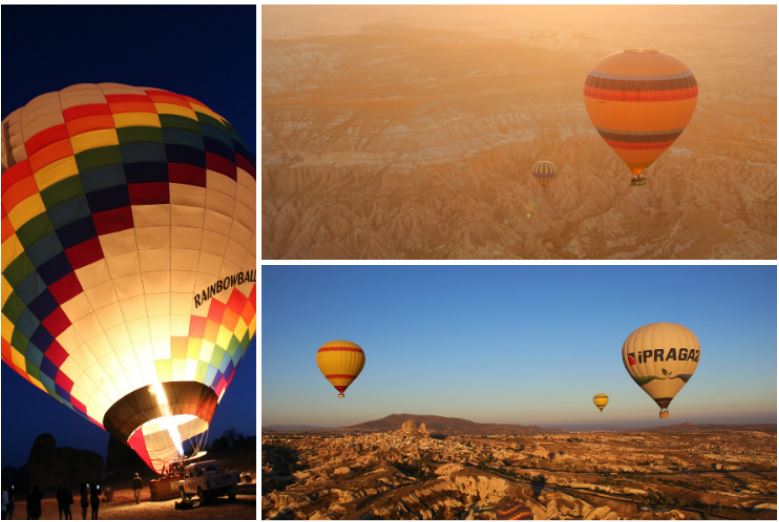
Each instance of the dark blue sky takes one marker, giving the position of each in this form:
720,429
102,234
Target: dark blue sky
207,52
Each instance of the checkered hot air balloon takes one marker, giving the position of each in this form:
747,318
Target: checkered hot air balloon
128,258
640,101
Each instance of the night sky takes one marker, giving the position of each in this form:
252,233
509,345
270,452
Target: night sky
207,52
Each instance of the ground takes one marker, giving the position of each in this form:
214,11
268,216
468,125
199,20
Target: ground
123,507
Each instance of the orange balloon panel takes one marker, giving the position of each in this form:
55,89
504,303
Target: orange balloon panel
340,362
640,101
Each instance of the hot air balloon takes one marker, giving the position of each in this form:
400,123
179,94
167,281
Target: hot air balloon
600,400
661,358
340,362
544,171
128,259
640,101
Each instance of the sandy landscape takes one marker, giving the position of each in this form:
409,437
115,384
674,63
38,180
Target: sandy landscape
412,472
409,132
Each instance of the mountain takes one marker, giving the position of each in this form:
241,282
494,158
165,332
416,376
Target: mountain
293,428
447,425
687,427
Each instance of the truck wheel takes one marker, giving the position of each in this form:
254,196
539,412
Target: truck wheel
201,496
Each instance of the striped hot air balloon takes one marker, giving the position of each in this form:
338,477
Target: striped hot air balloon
640,101
600,400
128,258
340,362
544,171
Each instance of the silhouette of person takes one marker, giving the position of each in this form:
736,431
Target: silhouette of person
84,500
64,500
34,499
137,487
94,500
11,502
5,503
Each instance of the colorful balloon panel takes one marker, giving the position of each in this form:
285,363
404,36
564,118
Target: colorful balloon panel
640,101
544,171
128,257
661,358
340,362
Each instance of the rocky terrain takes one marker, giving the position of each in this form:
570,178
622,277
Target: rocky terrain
410,473
390,134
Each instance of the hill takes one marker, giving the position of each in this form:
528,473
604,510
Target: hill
687,427
447,425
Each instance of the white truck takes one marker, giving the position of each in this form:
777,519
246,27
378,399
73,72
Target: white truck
207,481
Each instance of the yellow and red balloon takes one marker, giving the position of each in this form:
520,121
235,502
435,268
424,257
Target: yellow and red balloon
340,362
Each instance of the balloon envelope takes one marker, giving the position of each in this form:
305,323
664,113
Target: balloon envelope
600,400
128,258
340,362
661,358
640,101
544,171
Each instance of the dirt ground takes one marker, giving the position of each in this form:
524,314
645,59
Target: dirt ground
123,506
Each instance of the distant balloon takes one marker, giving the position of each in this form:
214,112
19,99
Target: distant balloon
661,358
600,400
640,101
340,362
544,171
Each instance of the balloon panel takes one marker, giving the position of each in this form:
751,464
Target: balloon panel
640,101
128,240
661,358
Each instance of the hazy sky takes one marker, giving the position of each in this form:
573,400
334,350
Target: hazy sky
526,345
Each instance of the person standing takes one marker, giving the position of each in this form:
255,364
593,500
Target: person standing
68,498
34,503
84,500
61,501
94,500
137,487
5,503
11,501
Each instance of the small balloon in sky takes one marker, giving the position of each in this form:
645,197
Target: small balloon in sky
340,362
600,400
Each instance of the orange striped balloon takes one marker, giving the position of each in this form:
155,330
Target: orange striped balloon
340,362
640,101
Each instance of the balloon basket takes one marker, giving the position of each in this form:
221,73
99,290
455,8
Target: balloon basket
638,181
341,395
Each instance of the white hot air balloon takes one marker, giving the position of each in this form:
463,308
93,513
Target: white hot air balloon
661,358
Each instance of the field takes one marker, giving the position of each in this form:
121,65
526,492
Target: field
407,473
